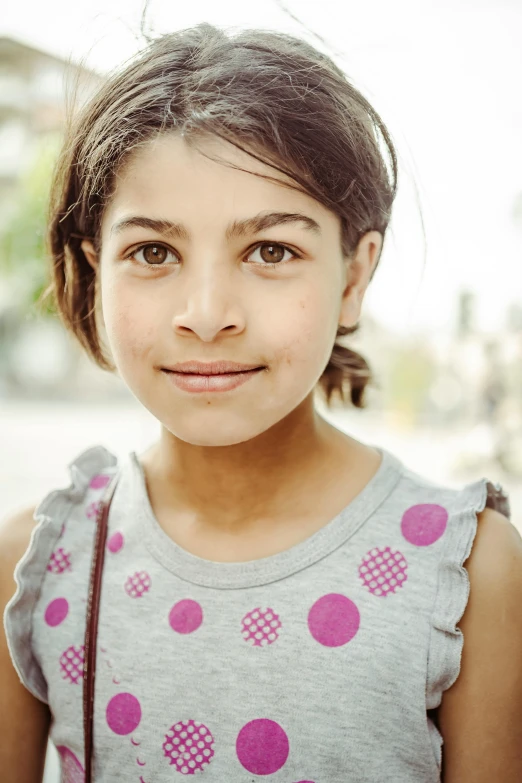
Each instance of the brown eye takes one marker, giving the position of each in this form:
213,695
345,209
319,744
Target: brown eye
272,254
154,254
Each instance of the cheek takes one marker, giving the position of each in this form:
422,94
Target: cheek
129,328
305,334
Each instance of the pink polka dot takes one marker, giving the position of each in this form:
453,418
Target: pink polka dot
59,562
262,746
71,664
260,627
92,509
99,481
333,620
115,542
186,616
123,713
72,770
56,611
137,584
189,746
424,523
383,571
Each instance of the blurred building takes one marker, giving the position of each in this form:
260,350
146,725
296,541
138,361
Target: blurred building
36,90
32,103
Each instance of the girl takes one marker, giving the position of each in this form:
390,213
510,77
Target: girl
278,599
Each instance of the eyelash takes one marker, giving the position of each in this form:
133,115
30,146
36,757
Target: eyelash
268,264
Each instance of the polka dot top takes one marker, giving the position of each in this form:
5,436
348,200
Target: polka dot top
319,664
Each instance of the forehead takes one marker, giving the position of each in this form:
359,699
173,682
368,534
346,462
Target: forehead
167,177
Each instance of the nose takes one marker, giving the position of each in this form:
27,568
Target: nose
208,307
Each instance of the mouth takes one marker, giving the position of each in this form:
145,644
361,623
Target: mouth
219,367
213,374
216,382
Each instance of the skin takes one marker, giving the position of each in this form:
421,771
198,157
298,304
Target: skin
244,465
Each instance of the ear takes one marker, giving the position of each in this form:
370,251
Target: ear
359,270
90,254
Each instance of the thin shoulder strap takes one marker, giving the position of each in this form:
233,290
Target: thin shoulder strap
91,626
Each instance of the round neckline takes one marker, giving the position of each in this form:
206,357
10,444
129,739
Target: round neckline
251,573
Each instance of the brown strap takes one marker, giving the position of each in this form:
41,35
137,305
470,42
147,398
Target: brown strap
91,626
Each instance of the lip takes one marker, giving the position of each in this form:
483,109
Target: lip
211,368
199,383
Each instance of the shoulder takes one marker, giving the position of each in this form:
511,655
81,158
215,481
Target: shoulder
495,561
495,574
15,537
480,716
15,534
89,473
40,541
21,519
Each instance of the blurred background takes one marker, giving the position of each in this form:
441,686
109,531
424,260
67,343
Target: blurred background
442,319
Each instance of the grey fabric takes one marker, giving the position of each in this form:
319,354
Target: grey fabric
314,665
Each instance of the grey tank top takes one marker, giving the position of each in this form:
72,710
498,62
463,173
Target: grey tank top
319,664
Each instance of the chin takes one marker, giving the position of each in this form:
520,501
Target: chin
208,438
214,429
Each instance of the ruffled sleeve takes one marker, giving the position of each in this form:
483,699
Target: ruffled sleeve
453,588
51,514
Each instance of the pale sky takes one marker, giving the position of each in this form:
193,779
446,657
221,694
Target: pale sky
445,75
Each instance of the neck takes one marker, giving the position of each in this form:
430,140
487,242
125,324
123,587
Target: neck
231,487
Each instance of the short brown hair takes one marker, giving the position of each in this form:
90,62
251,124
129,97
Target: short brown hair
290,105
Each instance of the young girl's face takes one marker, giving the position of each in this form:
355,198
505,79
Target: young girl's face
205,296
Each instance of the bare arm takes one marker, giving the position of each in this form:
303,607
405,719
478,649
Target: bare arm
481,714
24,720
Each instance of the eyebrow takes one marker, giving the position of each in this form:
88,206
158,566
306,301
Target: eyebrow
237,228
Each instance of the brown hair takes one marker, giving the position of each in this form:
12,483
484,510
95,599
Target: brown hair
288,103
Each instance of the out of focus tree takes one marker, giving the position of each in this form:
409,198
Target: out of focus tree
23,262
412,372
